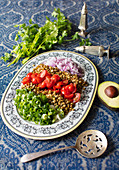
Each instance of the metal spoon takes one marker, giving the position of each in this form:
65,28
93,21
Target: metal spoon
90,143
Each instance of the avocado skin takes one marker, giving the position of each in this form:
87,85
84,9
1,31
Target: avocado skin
101,90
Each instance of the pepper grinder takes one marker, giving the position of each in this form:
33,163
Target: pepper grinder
83,21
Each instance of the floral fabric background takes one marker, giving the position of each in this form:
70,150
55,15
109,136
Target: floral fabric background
103,28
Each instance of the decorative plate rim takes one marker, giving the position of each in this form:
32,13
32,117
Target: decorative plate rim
70,129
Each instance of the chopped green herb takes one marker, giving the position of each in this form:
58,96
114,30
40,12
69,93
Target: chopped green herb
82,40
7,57
85,42
36,108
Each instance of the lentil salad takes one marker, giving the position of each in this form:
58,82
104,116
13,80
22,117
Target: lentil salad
55,96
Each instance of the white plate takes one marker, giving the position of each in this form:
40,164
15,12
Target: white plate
73,119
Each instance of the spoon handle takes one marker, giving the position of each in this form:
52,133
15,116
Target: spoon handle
31,156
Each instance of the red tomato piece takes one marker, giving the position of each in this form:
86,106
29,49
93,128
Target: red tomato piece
72,87
70,96
71,100
48,77
66,90
58,85
42,85
48,74
26,80
44,73
34,75
55,78
29,74
77,97
62,90
49,82
39,79
57,91
38,75
75,89
34,80
54,88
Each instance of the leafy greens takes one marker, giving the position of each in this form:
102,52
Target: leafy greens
34,38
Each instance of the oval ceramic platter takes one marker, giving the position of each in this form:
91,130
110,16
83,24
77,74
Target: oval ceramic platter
72,120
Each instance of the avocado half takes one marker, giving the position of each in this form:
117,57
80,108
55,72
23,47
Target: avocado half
110,101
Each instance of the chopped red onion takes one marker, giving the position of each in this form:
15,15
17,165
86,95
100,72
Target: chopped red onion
65,64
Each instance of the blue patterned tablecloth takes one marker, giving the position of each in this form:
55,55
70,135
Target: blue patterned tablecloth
103,28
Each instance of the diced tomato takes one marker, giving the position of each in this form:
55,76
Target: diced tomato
72,87
57,91
70,96
34,75
58,85
66,90
34,80
26,80
49,82
48,77
49,85
39,79
38,75
55,78
29,74
48,74
77,97
44,73
42,85
62,90
75,89
71,100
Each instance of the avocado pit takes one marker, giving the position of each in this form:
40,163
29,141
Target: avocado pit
111,91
